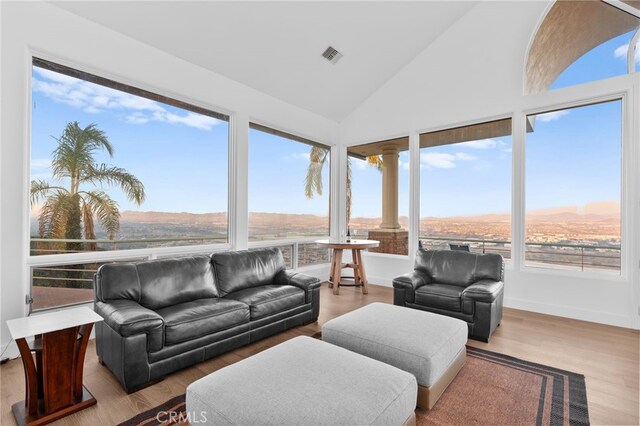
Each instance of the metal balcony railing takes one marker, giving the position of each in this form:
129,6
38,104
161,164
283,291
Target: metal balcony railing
563,255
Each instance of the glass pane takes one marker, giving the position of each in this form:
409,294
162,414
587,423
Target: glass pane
312,254
61,285
111,170
604,61
378,194
465,188
287,253
288,188
573,188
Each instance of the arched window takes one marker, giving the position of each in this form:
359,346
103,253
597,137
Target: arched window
582,41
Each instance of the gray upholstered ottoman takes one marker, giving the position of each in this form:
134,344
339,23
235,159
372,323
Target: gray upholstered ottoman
427,345
305,381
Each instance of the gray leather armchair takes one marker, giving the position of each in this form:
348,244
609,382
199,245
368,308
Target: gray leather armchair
164,315
462,285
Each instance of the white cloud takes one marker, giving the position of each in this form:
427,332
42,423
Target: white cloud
464,157
137,118
440,160
40,164
621,52
480,144
93,98
551,116
297,156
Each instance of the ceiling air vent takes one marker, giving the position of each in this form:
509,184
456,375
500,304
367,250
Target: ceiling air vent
332,55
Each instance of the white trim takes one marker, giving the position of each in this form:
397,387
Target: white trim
518,188
414,194
631,52
568,312
627,8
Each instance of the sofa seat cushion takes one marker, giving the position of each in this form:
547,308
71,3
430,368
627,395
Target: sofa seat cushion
269,300
190,320
441,296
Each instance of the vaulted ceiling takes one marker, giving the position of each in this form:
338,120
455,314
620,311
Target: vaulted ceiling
276,47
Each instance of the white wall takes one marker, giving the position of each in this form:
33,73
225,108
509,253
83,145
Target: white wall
472,73
60,36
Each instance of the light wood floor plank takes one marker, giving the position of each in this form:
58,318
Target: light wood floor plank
609,357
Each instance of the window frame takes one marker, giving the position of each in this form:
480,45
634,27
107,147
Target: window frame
176,100
601,91
255,124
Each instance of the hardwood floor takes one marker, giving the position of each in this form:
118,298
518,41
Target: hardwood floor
608,356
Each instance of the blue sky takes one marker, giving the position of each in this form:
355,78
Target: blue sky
181,157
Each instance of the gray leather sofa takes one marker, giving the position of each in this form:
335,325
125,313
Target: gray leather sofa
164,315
462,285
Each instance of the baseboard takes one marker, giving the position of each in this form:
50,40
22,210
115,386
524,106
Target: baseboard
385,282
11,352
571,312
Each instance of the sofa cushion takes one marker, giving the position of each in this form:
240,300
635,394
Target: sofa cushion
190,320
441,296
268,300
115,281
167,282
237,270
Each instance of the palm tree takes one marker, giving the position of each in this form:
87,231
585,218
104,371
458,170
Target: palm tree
69,212
313,181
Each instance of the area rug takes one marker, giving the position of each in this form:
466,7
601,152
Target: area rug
491,389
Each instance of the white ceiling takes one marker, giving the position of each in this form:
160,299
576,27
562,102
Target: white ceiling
276,47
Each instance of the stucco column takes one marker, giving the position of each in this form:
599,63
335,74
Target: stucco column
390,188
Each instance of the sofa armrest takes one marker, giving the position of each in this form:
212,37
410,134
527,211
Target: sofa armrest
305,282
483,291
410,283
128,318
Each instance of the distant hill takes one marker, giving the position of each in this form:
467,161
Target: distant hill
602,211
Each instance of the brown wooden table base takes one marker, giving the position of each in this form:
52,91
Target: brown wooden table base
54,386
19,410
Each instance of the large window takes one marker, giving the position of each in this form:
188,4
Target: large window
378,194
114,167
465,188
573,187
288,186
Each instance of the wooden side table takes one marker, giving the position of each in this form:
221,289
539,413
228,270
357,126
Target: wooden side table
54,386
356,247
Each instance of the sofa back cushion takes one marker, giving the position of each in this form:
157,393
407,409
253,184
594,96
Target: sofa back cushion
114,281
238,270
168,282
458,267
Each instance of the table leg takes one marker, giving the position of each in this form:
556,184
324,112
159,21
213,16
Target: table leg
337,258
30,377
363,276
332,268
356,275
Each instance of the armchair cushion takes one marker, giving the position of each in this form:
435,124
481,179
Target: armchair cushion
440,296
305,282
190,320
483,291
410,283
129,318
268,300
